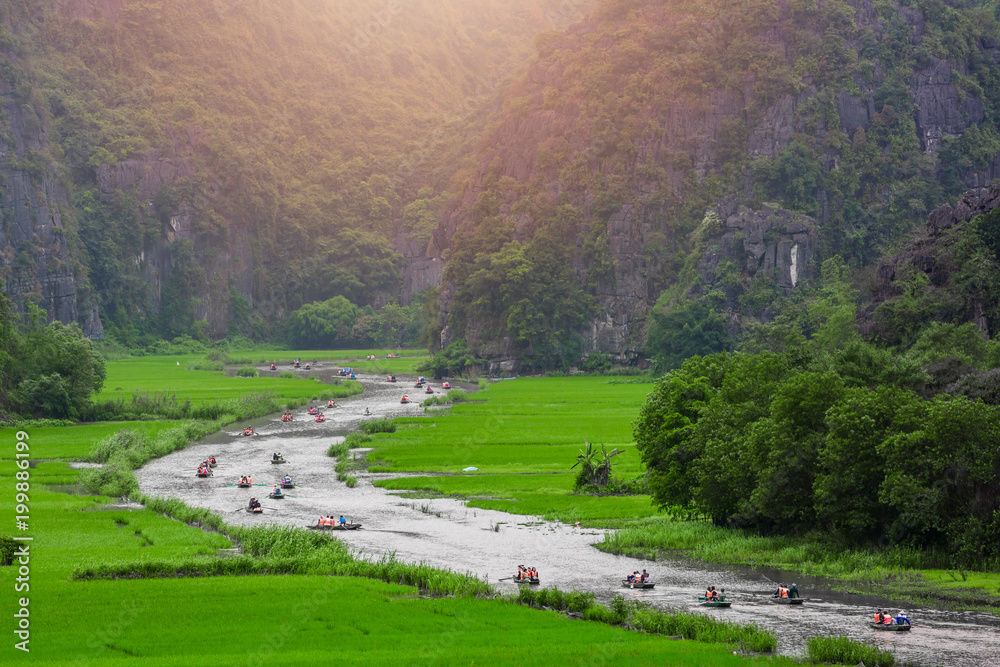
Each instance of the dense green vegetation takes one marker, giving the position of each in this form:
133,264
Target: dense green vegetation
860,443
611,122
47,370
301,150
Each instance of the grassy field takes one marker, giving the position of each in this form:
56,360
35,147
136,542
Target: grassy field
294,619
523,440
169,374
73,443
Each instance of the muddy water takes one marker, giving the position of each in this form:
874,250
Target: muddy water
446,533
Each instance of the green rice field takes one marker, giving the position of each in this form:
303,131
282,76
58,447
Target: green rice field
523,440
294,619
169,375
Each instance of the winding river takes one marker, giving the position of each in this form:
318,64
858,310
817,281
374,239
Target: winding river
446,533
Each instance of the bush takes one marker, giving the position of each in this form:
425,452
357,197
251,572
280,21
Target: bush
453,360
350,482
205,366
597,362
288,375
380,425
247,372
846,651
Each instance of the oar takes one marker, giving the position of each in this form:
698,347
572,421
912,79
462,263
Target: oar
505,579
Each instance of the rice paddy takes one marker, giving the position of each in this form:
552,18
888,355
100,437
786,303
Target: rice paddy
522,440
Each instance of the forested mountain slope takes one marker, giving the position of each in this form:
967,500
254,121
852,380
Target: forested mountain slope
851,120
172,167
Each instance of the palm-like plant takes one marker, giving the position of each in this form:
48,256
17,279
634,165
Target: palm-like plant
595,466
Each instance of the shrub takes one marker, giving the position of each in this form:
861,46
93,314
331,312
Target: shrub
247,372
205,366
846,651
288,375
380,425
350,482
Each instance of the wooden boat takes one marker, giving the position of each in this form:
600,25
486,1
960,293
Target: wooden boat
279,496
288,485
345,526
244,485
890,628
721,599
788,600
404,400
717,603
256,510
212,462
527,582
203,474
390,379
278,461
637,584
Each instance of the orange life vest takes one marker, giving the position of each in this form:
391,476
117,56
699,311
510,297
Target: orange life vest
784,592
876,615
888,619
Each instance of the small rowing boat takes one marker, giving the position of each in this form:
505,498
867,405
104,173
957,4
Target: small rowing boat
203,474
527,582
717,603
637,584
788,600
244,485
721,599
339,526
288,485
891,628
276,496
256,510
276,461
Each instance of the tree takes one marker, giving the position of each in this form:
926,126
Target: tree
686,330
324,324
59,369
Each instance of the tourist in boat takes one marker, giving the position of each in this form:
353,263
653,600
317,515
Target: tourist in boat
313,411
277,491
793,591
273,367
287,480
248,430
276,456
342,521
631,577
307,366
645,577
254,504
445,385
782,591
879,617
331,404
902,618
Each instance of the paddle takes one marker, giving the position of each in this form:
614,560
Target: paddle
505,579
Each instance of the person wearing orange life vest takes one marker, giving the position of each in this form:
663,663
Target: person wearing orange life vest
784,592
879,616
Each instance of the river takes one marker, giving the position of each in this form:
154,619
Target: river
445,533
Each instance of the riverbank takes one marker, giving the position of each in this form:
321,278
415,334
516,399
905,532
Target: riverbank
524,438
899,573
93,556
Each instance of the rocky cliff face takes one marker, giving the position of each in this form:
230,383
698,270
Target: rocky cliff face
936,256
36,263
682,141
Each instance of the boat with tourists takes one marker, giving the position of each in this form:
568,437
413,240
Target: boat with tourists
404,400
253,507
287,483
716,603
329,523
245,482
890,628
276,494
637,584
277,458
792,601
